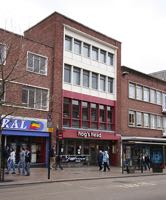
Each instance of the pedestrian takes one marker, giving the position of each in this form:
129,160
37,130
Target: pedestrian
147,161
52,157
106,161
58,162
21,163
27,162
100,160
11,161
5,160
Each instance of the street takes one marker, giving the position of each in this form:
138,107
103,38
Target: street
137,188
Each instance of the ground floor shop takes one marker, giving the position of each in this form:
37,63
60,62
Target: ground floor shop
80,147
136,149
28,133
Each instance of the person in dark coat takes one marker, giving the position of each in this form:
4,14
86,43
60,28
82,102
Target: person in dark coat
100,160
58,162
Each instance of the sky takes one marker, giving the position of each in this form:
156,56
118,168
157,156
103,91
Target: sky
140,25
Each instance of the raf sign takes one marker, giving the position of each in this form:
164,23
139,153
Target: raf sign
88,134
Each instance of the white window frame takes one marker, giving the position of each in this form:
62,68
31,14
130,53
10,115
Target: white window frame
131,118
146,120
146,94
31,69
158,98
152,96
139,119
164,103
69,40
132,90
139,92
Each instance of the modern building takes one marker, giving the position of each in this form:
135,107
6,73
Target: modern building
84,109
143,116
25,89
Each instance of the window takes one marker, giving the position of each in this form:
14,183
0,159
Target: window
66,112
110,59
153,121
102,56
77,46
131,118
75,113
37,64
132,90
146,120
67,73
2,54
152,96
159,124
164,102
85,78
139,92
138,119
68,43
2,91
35,98
158,96
94,81
85,115
102,82
109,118
102,117
94,115
95,53
76,76
164,124
146,94
110,84
86,50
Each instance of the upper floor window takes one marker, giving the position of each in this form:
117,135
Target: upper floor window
131,90
95,53
67,73
37,64
35,97
2,54
110,84
158,97
152,96
77,46
131,118
2,91
86,50
102,56
68,43
85,78
76,76
102,82
146,94
110,59
138,119
139,93
94,81
164,102
146,120
153,121
159,123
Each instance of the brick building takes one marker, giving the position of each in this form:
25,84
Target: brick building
86,66
26,68
143,116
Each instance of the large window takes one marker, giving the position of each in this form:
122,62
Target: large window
85,78
37,64
159,122
86,50
66,112
76,76
77,46
35,97
152,96
67,73
2,54
132,90
102,82
152,121
75,113
94,81
158,96
110,84
85,114
164,102
139,93
146,94
94,116
131,118
146,120
138,119
102,117
68,43
109,118
110,59
95,53
102,56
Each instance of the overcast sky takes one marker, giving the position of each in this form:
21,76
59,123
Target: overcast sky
139,24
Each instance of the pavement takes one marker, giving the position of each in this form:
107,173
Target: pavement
40,175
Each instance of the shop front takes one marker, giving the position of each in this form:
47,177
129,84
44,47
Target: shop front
134,149
29,133
81,147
